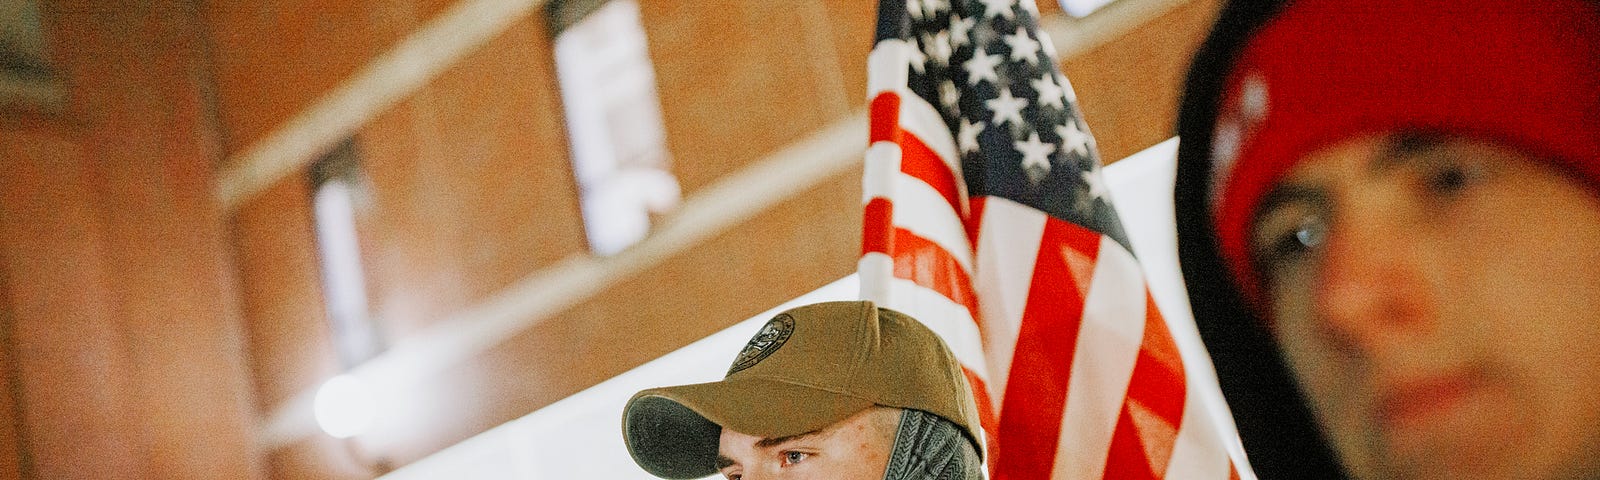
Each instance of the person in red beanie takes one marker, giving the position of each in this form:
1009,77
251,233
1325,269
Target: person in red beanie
1389,226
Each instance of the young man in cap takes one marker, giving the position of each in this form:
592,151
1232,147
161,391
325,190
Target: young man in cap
1388,218
836,391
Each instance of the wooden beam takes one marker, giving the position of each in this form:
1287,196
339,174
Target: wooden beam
391,77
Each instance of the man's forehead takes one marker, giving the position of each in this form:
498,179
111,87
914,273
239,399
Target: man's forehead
1368,155
773,442
733,441
769,442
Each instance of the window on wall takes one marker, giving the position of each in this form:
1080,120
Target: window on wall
339,192
26,78
619,154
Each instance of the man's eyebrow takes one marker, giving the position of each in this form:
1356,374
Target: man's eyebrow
1405,146
724,462
773,442
1285,194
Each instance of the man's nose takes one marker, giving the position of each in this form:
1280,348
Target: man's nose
1372,289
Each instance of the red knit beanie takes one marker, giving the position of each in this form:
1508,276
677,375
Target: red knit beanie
1521,73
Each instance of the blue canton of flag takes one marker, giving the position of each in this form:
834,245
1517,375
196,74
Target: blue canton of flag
994,79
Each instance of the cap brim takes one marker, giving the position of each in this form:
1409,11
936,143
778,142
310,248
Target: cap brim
672,432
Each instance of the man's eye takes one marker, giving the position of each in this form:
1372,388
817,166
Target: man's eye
1309,235
1287,242
791,458
1305,236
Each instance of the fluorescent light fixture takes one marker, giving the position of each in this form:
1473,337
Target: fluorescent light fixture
345,407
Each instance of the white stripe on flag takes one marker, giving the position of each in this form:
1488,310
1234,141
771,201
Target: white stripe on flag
952,321
876,270
882,165
1007,247
1102,366
920,209
888,66
1198,451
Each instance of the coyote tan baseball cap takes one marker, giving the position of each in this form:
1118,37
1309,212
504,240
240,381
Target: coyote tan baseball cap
807,368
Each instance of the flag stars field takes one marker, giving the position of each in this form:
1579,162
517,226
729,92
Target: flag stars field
1095,182
999,7
1035,157
938,47
1007,109
1074,139
919,60
959,28
1049,93
1023,47
981,67
950,96
967,137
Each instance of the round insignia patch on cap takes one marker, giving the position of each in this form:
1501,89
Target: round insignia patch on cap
766,341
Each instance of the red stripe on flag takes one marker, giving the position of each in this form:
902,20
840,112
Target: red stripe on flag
932,267
1153,410
986,418
974,217
1036,392
922,163
877,226
885,121
1126,459
1158,379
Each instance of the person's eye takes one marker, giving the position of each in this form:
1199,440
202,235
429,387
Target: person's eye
1301,239
1308,236
1293,241
792,457
1288,241
732,476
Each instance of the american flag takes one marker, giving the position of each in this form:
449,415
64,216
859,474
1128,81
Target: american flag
987,219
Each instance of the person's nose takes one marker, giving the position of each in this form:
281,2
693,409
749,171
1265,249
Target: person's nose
1372,290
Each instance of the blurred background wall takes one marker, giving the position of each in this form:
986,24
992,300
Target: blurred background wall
209,208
